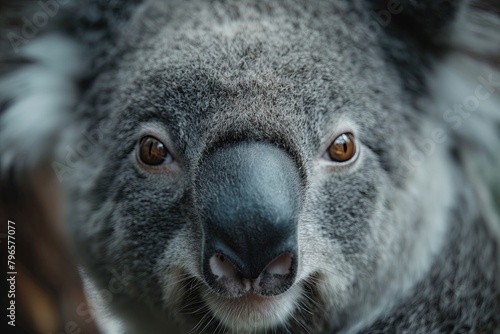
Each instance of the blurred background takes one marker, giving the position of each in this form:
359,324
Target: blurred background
49,295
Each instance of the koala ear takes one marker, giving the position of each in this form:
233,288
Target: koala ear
477,30
465,82
48,50
37,98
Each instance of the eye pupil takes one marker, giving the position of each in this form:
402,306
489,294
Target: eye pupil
343,148
152,151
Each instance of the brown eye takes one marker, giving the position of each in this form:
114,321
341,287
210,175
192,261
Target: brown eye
343,148
153,152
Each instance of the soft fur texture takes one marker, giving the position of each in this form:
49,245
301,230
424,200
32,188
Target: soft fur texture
403,240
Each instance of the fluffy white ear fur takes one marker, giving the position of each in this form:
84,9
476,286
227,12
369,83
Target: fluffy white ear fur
38,99
466,98
477,29
466,87
99,308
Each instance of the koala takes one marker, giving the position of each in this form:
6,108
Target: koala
263,166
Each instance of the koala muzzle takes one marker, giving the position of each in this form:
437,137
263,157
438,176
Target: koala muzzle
249,199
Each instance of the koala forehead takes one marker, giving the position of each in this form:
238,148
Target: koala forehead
253,72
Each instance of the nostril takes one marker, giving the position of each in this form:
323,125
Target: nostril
222,267
281,265
227,277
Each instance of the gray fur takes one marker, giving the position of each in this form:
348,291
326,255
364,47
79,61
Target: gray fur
389,244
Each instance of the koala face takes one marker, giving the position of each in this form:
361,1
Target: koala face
249,174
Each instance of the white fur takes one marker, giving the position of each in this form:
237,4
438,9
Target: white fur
43,95
106,320
477,31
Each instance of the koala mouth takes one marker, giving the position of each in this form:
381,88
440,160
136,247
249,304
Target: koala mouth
252,312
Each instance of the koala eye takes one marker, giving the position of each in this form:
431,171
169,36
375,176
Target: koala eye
343,148
153,152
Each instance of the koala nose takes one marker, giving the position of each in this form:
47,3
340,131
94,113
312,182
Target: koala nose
249,198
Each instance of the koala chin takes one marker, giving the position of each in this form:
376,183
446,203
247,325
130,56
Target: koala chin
272,166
